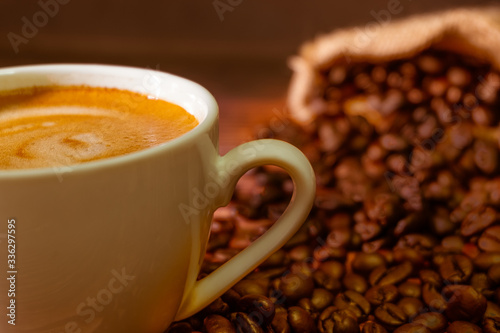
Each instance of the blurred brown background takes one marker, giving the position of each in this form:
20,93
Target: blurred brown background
238,49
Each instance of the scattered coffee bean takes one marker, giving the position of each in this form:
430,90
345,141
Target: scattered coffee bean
364,263
482,284
296,286
405,228
383,276
333,269
333,320
216,323
463,327
411,306
355,282
372,327
300,321
181,327
382,294
321,298
262,308
494,274
492,310
434,321
390,315
491,325
412,328
433,298
252,287
354,302
485,260
456,268
280,321
464,303
410,289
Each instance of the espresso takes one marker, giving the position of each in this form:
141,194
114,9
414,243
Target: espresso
61,126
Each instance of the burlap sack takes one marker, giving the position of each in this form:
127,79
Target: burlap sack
470,31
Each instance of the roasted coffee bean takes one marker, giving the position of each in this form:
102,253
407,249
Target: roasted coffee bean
412,328
463,327
485,260
355,282
296,286
217,307
383,276
306,304
300,321
478,219
302,269
434,321
321,298
218,240
494,274
453,244
216,323
415,248
388,256
244,323
324,253
490,239
491,325
430,64
456,268
430,277
382,294
482,284
332,268
364,263
410,289
411,306
259,306
354,302
464,303
300,253
181,327
471,250
280,320
325,281
231,297
433,298
334,320
458,76
372,327
492,310
253,286
390,314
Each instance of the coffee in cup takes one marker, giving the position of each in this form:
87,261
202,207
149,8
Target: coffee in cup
55,126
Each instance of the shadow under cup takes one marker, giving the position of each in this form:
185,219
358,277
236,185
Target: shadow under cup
116,245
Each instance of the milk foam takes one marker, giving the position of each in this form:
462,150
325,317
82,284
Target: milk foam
41,135
58,135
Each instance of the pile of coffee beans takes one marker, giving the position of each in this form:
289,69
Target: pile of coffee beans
404,235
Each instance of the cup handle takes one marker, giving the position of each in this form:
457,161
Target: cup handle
235,163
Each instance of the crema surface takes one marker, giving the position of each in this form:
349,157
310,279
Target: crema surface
62,126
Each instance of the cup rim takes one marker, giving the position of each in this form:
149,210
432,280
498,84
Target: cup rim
205,123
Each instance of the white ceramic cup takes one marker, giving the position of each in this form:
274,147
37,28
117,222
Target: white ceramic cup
116,245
